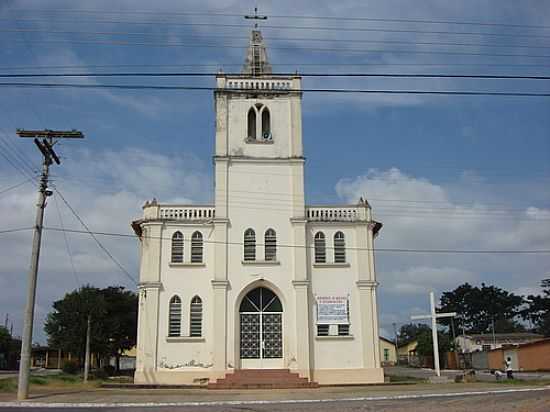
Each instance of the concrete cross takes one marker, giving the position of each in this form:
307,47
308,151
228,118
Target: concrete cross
434,316
255,17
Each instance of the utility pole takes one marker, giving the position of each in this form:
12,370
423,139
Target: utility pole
49,138
434,316
87,359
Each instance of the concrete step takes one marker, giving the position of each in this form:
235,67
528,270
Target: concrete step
262,379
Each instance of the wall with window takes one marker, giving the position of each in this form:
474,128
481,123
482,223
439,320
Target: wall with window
186,274
261,127
334,272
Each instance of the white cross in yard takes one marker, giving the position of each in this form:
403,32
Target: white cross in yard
434,316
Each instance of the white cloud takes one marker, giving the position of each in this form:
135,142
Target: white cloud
107,190
420,214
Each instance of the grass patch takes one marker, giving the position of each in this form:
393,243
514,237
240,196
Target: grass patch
8,385
38,380
54,381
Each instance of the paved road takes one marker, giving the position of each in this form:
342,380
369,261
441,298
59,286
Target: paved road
480,375
506,402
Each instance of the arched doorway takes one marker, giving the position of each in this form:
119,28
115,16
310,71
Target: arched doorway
261,330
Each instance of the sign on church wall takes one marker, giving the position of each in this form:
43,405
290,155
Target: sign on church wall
332,310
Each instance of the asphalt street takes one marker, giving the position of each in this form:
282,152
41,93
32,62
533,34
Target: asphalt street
518,401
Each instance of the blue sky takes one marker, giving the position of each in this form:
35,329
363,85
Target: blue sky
484,162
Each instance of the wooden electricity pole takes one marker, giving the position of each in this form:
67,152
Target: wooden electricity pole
49,138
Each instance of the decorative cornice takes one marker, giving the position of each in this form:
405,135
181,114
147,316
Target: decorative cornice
366,284
300,283
298,220
149,285
220,284
220,220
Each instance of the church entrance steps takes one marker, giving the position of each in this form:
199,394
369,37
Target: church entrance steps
262,379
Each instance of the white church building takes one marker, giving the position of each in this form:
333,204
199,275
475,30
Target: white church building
257,280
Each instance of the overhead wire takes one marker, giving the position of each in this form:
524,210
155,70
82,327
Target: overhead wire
212,74
92,234
276,16
247,91
271,26
67,245
314,49
392,250
270,39
16,186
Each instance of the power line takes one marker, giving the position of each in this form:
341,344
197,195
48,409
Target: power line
117,263
16,186
269,26
247,91
314,49
299,17
294,64
21,229
67,246
392,250
272,39
213,74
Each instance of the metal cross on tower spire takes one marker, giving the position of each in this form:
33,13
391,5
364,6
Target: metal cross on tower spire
255,17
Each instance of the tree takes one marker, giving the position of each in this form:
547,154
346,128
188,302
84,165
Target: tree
113,312
66,325
425,343
5,339
538,309
410,331
121,320
479,308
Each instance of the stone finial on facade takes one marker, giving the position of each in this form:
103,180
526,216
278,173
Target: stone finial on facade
154,202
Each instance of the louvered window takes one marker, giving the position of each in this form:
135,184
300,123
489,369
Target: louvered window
320,248
322,330
174,318
249,245
196,317
270,245
339,248
196,247
343,330
177,248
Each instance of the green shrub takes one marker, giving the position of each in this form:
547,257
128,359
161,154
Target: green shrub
8,385
71,367
38,380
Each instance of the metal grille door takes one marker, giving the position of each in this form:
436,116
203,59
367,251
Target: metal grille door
272,336
261,336
250,336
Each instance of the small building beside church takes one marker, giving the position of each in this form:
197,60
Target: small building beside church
257,279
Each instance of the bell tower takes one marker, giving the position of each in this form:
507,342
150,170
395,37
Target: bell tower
258,134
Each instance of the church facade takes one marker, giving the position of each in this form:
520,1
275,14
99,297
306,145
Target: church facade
259,279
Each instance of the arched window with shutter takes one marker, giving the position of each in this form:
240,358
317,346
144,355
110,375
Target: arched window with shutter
270,245
339,248
195,323
177,248
174,316
320,248
249,245
196,247
252,123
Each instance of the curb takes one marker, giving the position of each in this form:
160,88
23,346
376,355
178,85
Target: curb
60,405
